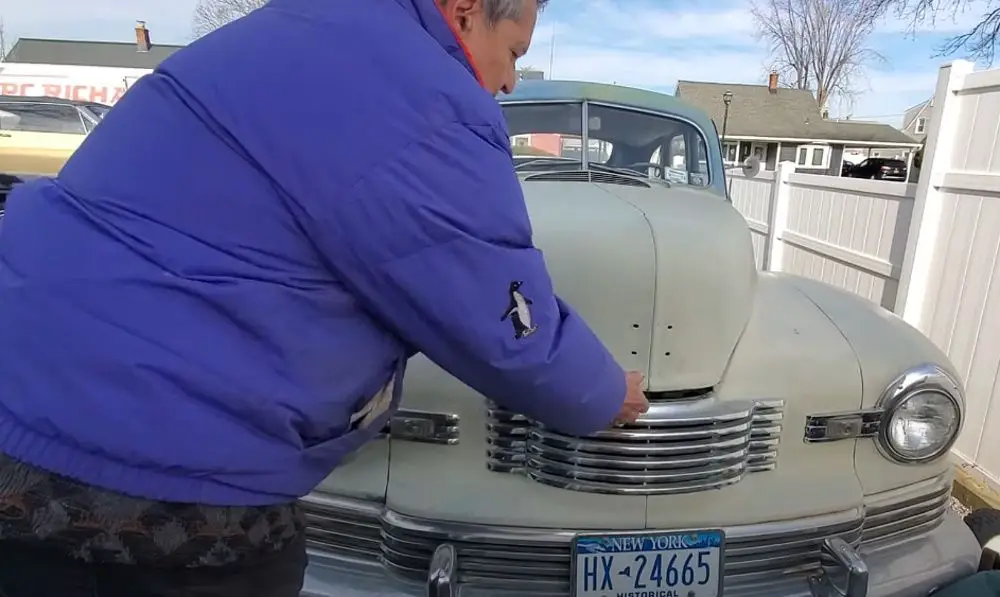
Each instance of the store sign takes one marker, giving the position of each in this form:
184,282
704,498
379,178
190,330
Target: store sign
104,94
87,84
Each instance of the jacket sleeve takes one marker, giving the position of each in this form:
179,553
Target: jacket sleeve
436,244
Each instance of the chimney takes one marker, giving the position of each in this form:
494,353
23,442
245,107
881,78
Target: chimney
141,37
772,82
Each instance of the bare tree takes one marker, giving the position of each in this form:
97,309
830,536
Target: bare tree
819,45
209,15
979,43
3,41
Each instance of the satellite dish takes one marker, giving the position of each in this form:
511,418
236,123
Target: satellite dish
751,166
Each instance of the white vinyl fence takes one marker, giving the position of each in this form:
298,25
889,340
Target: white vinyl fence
928,251
847,232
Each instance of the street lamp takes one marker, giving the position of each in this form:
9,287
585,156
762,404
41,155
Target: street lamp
727,98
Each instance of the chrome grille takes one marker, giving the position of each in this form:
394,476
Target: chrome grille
677,447
537,561
346,527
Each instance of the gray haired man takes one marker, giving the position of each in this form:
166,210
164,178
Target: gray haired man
223,302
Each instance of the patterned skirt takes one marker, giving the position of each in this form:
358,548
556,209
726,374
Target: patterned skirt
102,526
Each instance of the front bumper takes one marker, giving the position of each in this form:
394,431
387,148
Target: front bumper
910,568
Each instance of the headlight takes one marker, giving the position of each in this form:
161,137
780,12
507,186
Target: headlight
921,415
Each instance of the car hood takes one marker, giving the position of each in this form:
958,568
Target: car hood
664,276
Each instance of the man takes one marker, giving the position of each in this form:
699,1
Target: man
213,303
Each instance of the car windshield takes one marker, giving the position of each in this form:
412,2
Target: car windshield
658,146
98,110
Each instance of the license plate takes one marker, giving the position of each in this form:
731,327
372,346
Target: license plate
681,564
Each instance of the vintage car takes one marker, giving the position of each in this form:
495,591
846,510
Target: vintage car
797,442
38,134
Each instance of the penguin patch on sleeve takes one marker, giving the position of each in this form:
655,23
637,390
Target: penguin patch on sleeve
518,311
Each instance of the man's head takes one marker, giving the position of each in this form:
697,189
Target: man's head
496,33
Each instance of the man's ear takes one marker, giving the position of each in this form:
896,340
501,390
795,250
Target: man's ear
461,13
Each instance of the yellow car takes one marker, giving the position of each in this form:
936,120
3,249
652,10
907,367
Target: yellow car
38,134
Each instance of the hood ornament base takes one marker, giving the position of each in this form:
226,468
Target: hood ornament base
441,575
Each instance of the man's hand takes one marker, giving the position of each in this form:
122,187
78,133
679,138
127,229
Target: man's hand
635,400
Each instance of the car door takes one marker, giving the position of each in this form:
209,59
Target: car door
862,169
36,138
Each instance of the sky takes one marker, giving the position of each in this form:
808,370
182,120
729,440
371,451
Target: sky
643,43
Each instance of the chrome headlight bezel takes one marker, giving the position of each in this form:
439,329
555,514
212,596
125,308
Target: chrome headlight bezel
918,380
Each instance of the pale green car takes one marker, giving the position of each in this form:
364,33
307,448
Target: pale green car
798,436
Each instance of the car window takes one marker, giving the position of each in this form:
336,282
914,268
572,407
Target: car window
99,109
659,146
41,118
864,163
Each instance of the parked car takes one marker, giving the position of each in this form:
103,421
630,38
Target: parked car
879,169
797,438
38,134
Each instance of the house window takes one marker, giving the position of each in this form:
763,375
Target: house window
813,157
759,151
729,152
921,125
41,117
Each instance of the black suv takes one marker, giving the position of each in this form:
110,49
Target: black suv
878,169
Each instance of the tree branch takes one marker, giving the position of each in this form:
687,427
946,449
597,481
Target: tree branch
820,44
3,42
979,43
209,15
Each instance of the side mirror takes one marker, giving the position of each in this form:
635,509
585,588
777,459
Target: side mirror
751,166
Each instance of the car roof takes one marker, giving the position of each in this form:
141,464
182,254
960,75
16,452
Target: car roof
630,97
28,99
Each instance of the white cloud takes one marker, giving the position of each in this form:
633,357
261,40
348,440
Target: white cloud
637,43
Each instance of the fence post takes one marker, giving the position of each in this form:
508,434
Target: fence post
925,220
777,218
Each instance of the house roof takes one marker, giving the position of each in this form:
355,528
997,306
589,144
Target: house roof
784,114
922,104
88,53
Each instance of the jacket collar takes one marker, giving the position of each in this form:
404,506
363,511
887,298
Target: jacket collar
427,13
431,17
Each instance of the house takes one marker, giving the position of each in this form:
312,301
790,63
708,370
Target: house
141,54
917,119
779,124
93,71
530,74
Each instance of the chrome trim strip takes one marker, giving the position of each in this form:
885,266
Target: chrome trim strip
847,425
424,426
